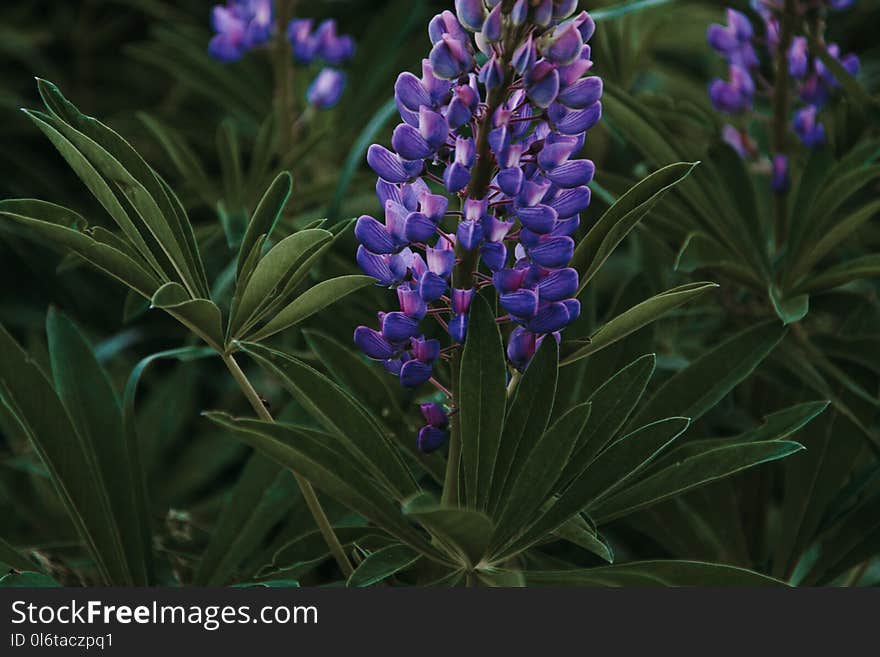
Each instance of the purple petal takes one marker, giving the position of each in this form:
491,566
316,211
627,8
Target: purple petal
372,343
398,327
456,177
552,317
574,173
538,219
409,143
415,373
522,303
494,255
558,285
431,439
389,166
469,234
376,266
373,235
419,228
553,252
458,328
432,286
570,202
582,93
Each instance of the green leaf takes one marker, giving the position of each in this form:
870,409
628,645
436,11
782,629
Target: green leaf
271,275
527,417
312,301
265,217
688,474
68,456
482,387
811,481
97,417
382,564
701,385
576,530
655,573
612,405
313,456
341,415
782,424
789,309
829,239
620,462
699,251
109,260
535,479
465,531
311,548
842,273
136,181
622,217
27,580
12,558
200,316
638,316
262,496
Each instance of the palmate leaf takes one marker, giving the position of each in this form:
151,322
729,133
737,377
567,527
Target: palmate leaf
271,274
200,316
119,164
654,573
310,548
320,459
341,415
466,532
840,274
83,477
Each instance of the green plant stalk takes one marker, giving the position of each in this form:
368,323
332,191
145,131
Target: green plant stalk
781,106
466,264
308,492
283,69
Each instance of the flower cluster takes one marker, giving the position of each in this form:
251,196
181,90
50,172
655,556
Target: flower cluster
813,82
242,25
494,124
326,45
239,26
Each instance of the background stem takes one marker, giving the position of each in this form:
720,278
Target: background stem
781,103
308,492
283,69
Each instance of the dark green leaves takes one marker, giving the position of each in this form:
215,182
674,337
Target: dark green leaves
690,473
265,216
77,433
636,317
655,573
701,385
622,217
382,564
482,389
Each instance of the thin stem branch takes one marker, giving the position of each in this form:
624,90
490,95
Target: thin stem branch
283,69
781,103
308,492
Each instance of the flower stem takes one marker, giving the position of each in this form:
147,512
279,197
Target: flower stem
781,102
308,492
283,69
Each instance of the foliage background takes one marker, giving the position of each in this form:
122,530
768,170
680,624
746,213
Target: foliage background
142,63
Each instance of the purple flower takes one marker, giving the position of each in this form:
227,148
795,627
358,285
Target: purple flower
780,180
504,137
326,89
806,126
239,26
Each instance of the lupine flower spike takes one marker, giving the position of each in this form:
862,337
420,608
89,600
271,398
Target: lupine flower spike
242,25
484,186
812,83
